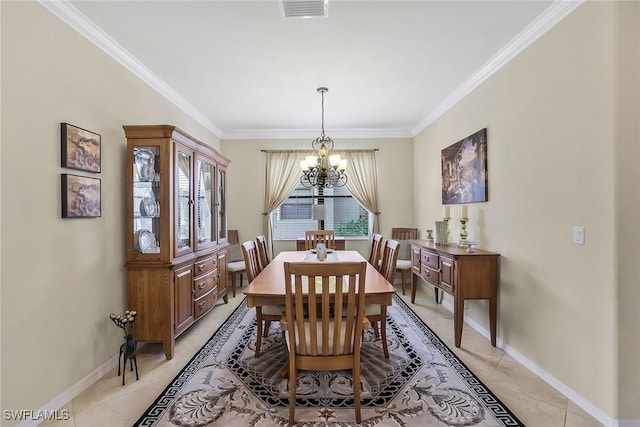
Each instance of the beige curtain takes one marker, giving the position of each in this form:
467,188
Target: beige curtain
362,180
283,175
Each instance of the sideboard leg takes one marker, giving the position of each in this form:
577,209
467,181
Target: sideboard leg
458,319
414,285
493,321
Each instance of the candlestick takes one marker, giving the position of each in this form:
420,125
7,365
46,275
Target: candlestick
446,219
447,212
463,231
465,212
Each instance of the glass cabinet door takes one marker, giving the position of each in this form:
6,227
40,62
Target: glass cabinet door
205,175
146,200
222,208
184,201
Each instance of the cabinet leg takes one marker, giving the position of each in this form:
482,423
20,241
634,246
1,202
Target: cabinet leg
225,298
493,314
438,295
168,346
414,285
458,320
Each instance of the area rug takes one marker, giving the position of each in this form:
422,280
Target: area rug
423,383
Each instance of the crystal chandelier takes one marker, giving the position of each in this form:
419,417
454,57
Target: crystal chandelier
324,170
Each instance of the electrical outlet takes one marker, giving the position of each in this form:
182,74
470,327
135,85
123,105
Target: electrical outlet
578,235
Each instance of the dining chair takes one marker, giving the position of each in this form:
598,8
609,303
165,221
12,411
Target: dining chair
374,251
404,264
319,337
378,312
235,260
266,313
313,237
261,242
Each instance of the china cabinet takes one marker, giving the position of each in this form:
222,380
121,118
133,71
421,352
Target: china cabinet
176,231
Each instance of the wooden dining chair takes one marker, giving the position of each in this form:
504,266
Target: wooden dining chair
235,260
378,312
319,337
313,237
404,263
261,242
374,251
266,313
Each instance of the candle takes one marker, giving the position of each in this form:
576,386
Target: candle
465,211
447,212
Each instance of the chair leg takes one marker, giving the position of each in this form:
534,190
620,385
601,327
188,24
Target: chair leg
233,284
356,390
267,324
293,379
375,328
383,330
259,331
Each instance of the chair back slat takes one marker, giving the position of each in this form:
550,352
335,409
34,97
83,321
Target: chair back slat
390,253
263,254
333,323
399,233
251,260
313,237
374,251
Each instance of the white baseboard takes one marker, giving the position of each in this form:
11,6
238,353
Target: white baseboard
69,394
576,398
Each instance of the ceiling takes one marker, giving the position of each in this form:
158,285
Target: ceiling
244,71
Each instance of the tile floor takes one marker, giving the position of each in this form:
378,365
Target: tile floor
534,402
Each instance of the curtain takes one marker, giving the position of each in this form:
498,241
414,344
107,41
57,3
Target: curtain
362,180
283,175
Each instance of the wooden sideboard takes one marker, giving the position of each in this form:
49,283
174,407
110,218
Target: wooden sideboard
464,275
300,244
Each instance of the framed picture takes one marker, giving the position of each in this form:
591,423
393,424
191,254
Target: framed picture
464,170
81,197
80,148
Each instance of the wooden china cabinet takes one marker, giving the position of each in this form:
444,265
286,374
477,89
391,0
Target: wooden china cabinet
176,231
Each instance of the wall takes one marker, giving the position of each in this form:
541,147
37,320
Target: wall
551,139
62,277
247,180
627,175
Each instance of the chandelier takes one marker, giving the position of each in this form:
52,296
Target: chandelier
324,170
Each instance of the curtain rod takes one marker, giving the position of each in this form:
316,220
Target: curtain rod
311,150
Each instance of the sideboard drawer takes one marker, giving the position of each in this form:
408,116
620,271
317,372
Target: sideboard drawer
430,275
205,265
204,304
203,284
430,259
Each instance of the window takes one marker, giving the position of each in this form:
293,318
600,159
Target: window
343,214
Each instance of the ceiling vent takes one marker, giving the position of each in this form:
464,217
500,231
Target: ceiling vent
304,8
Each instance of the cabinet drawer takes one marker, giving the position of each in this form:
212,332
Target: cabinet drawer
431,276
204,284
205,303
205,265
430,259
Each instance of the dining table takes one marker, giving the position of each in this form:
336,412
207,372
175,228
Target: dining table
268,287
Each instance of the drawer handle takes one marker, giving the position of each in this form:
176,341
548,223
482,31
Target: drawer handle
201,267
203,304
428,273
428,259
202,285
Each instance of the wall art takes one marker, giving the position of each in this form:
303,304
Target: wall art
81,197
80,148
464,170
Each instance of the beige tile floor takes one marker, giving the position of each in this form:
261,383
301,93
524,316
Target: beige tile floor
535,403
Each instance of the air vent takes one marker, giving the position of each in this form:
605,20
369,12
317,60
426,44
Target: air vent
304,8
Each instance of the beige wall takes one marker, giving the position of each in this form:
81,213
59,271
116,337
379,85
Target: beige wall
246,176
62,277
551,116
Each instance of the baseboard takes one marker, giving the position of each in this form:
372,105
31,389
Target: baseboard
52,408
576,398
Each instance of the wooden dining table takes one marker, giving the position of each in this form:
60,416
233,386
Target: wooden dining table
268,287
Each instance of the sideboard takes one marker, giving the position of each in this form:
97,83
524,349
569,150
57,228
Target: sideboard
464,275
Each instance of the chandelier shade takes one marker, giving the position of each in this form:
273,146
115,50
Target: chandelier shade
323,170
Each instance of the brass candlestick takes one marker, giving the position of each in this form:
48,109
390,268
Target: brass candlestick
446,219
463,231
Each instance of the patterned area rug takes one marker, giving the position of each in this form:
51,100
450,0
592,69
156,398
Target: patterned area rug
423,383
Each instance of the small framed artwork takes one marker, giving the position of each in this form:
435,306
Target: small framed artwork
80,148
81,197
464,170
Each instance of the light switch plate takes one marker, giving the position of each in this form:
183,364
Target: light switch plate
578,235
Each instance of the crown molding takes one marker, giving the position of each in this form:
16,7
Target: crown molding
543,23
307,134
65,11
